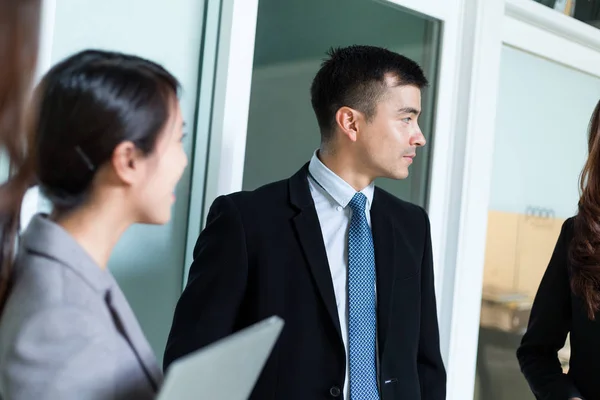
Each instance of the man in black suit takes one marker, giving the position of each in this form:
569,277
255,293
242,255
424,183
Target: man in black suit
346,265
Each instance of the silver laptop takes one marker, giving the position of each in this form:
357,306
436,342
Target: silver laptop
226,369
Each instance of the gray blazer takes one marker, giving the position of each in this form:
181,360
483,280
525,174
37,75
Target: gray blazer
67,331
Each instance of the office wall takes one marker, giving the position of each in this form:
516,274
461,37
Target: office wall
148,261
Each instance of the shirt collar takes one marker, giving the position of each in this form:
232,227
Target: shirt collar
340,190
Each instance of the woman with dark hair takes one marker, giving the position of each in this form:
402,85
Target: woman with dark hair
568,299
106,150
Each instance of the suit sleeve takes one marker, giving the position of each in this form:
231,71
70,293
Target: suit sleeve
66,353
432,374
208,307
549,323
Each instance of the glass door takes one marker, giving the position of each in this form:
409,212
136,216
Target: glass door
268,53
515,196
281,118
531,196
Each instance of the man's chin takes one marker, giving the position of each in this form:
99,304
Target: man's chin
398,175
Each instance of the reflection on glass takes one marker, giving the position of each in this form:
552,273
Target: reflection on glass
292,38
538,156
4,167
587,11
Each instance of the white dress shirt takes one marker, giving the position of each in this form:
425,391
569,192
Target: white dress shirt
331,195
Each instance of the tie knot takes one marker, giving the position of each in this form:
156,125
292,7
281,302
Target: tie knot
358,202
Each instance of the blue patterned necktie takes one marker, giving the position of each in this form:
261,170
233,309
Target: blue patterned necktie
361,304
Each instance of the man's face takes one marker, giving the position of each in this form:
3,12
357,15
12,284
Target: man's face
390,139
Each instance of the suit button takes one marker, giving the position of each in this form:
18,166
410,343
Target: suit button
335,391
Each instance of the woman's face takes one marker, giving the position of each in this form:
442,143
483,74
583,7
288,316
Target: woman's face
154,194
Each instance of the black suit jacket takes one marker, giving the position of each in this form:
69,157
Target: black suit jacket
557,311
262,254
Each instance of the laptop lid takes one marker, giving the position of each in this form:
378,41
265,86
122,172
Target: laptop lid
224,370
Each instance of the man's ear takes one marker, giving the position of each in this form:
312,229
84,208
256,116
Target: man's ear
347,120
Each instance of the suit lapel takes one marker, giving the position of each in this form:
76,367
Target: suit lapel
128,326
307,226
386,245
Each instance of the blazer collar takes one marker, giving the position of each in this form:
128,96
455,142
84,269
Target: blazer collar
310,237
127,324
299,191
49,239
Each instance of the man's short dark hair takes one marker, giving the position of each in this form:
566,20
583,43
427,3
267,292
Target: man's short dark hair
355,77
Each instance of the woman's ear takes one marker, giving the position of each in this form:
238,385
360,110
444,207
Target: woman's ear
125,162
